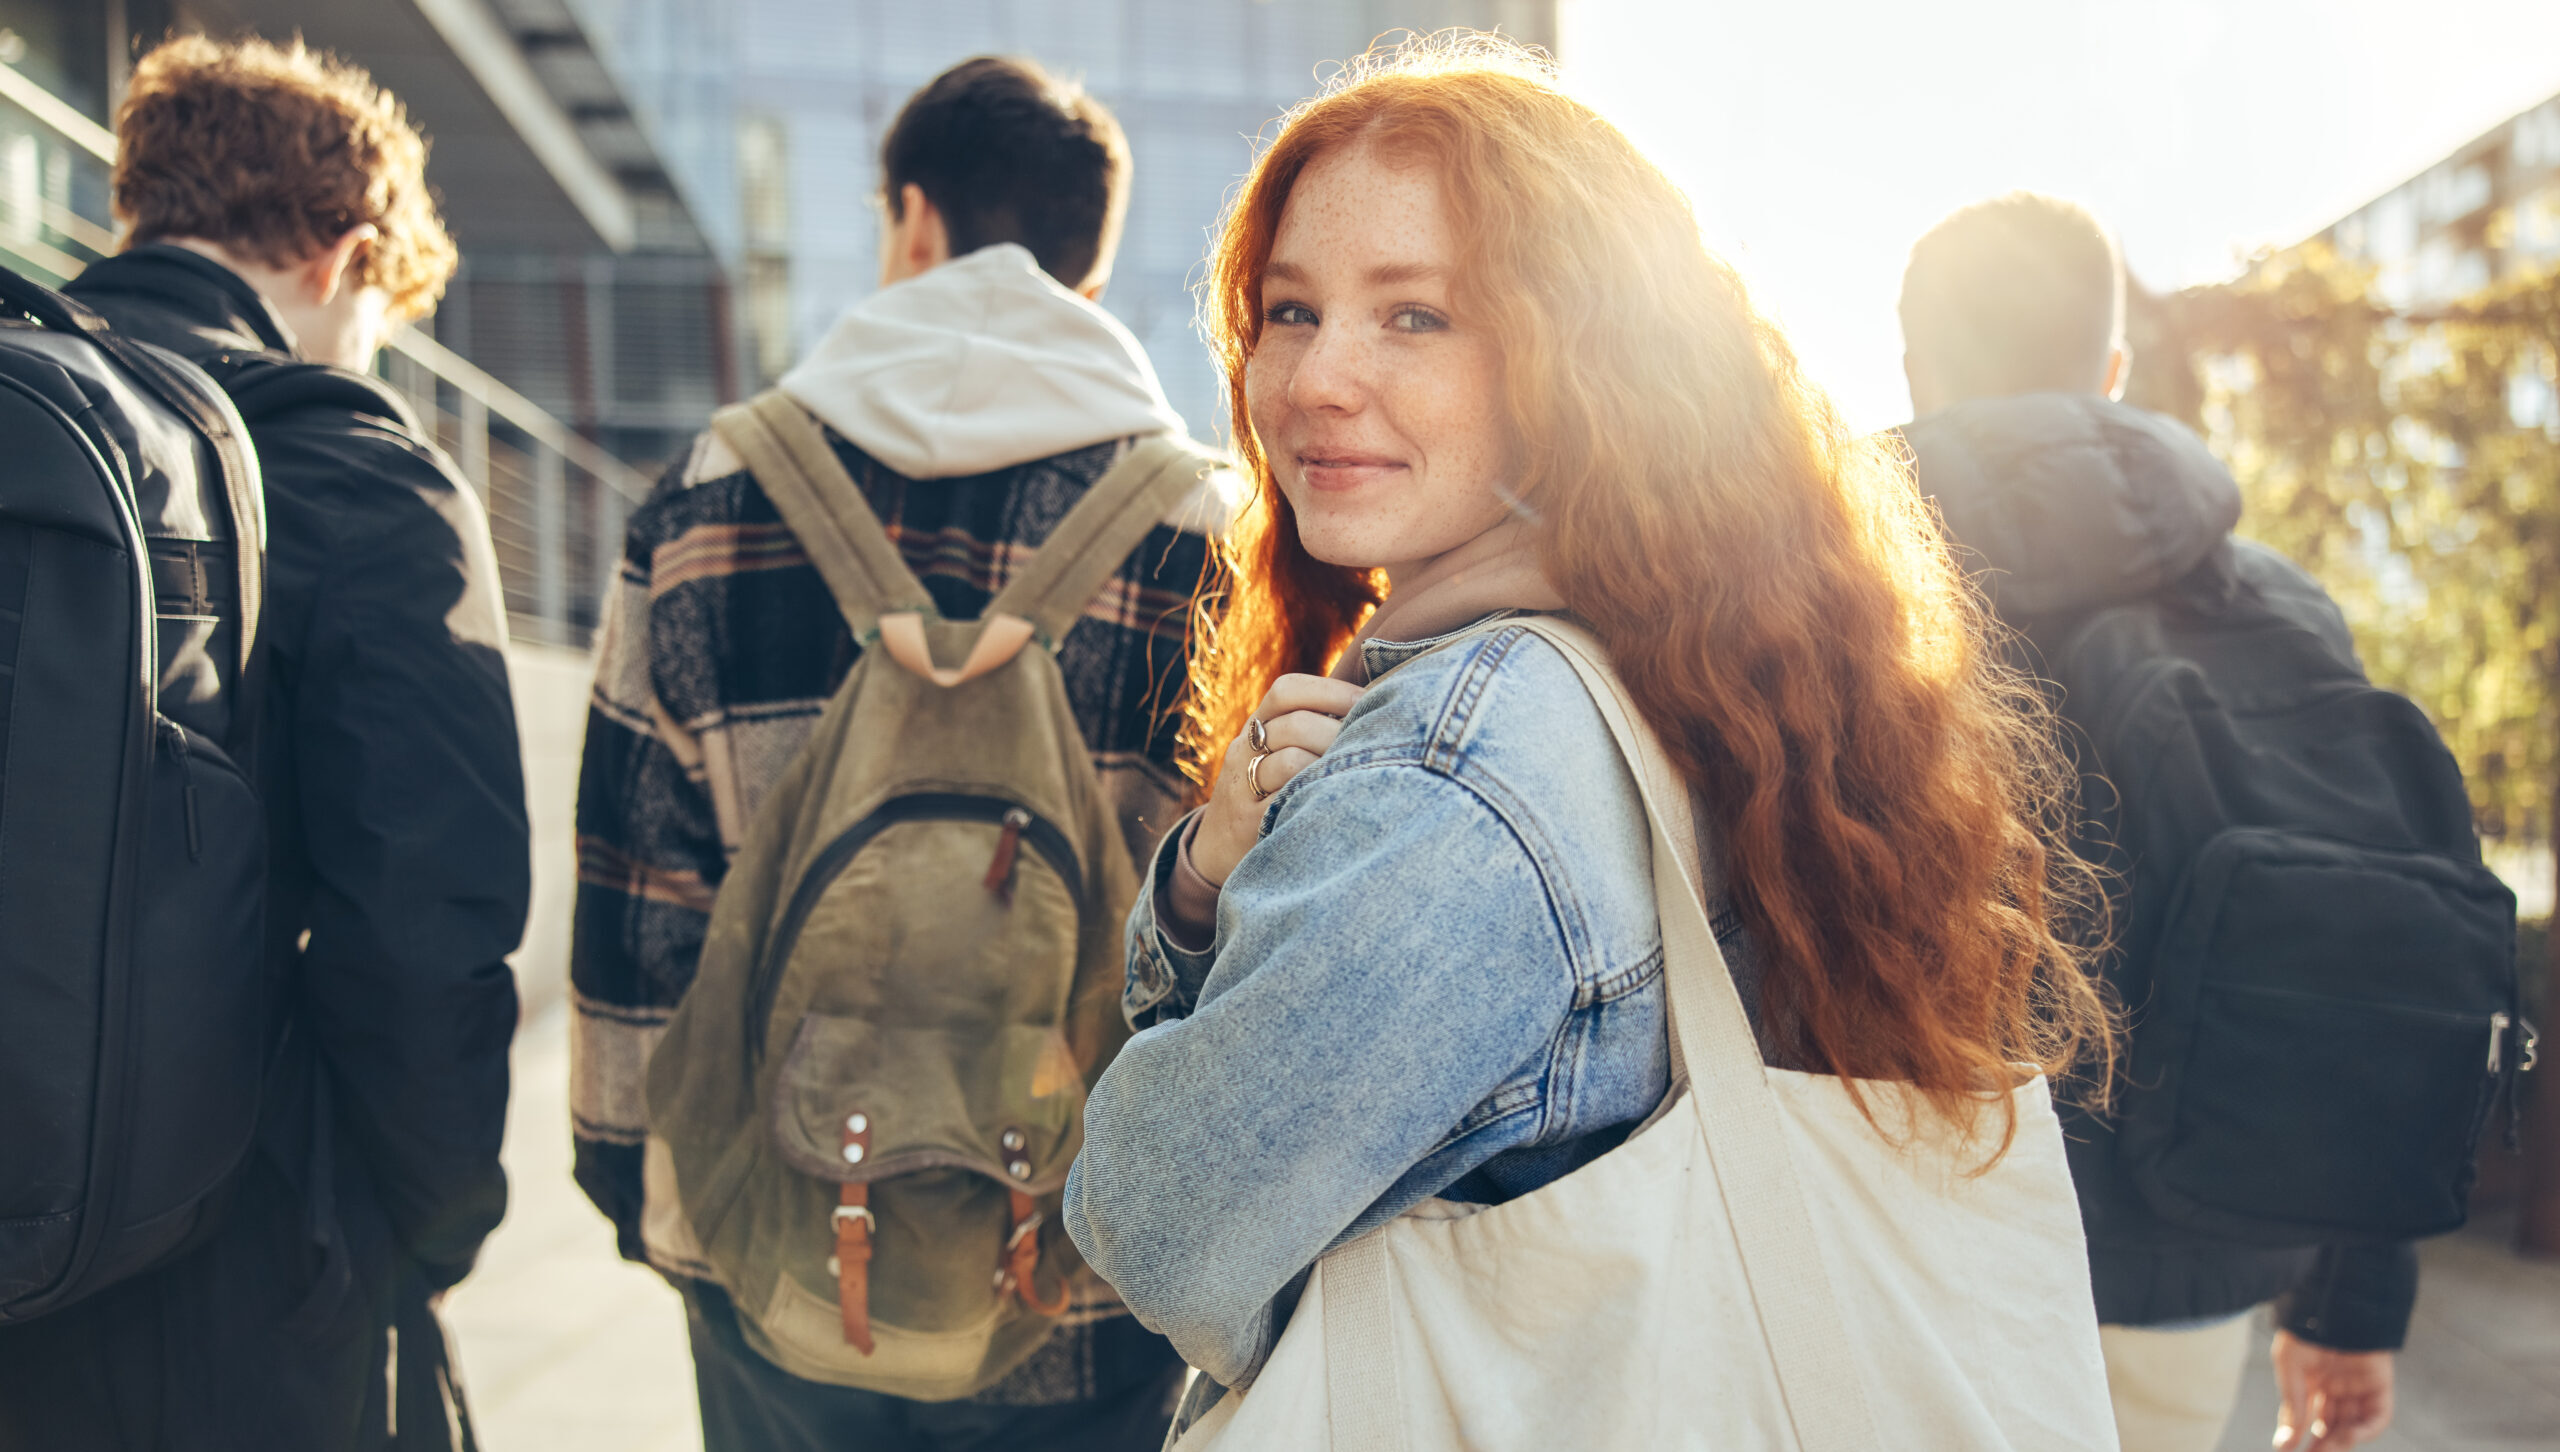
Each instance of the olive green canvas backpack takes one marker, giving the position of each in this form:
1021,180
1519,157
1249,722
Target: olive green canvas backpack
863,1111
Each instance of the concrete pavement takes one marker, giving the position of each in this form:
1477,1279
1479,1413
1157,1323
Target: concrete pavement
565,1347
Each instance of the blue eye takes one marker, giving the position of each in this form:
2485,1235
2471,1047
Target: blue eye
1289,314
1418,320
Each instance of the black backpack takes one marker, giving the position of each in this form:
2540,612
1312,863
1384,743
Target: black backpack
136,1002
2318,971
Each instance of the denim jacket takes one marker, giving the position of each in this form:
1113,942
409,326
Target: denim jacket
1439,972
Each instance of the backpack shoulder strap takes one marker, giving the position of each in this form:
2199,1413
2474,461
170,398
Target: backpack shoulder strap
168,378
824,508
1098,534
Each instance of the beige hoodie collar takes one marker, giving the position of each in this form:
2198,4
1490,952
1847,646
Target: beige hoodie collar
979,364
1496,571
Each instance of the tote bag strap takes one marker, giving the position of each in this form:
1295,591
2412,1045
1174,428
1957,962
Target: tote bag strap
1729,1091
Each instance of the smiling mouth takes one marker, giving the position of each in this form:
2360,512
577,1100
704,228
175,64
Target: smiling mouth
1344,471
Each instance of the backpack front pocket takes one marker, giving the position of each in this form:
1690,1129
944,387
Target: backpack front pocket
2405,1090
919,1100
935,1098
2323,1042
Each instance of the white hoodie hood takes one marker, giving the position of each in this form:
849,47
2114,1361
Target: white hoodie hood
981,363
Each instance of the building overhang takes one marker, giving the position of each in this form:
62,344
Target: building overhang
509,100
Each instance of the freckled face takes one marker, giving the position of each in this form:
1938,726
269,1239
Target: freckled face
1376,400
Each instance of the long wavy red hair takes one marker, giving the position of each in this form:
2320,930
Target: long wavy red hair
1774,591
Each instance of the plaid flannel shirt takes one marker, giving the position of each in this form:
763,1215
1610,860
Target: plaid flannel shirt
720,646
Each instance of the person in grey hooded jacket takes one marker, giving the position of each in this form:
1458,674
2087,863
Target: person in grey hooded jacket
2066,500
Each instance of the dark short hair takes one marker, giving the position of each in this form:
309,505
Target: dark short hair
2020,294
1008,153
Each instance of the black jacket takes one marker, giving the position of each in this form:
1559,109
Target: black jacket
2065,503
399,880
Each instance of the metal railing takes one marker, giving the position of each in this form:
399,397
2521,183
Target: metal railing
556,500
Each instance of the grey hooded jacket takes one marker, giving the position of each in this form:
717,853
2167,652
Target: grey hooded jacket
2062,504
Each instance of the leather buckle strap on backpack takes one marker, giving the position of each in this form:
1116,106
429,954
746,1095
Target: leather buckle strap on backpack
855,1225
1022,1259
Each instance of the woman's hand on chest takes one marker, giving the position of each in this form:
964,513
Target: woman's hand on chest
1296,723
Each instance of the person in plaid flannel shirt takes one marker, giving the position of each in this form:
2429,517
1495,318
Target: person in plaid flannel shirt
974,398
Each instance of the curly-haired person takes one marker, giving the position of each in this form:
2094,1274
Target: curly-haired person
278,223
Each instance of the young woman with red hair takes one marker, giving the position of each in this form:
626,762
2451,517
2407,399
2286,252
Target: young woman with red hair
1481,366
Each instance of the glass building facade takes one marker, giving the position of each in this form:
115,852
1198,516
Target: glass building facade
2484,214
769,115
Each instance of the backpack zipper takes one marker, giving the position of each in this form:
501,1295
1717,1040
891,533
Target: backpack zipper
999,878
2528,1043
1019,823
176,737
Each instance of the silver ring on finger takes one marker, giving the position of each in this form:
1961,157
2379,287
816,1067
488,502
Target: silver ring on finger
1253,776
1257,735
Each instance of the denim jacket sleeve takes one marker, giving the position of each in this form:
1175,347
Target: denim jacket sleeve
1164,977
1331,1039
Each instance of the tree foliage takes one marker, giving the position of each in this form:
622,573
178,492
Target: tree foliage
2411,461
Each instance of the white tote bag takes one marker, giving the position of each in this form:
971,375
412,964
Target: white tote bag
1755,1268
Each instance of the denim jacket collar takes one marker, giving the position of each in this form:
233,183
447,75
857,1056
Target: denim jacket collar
1382,656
